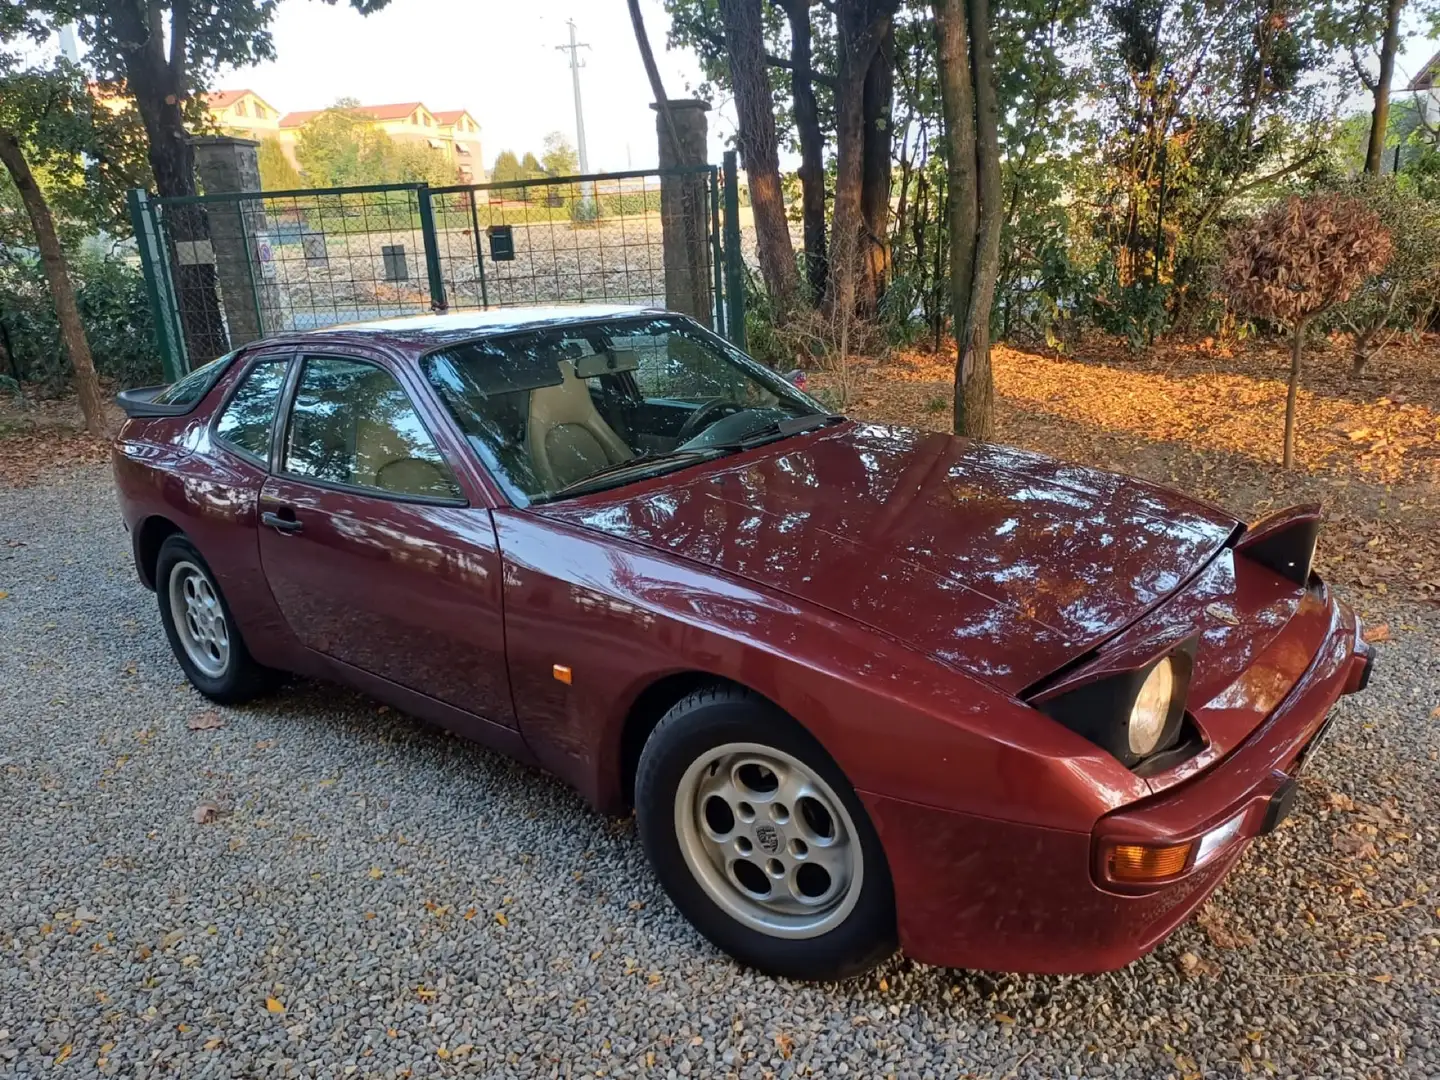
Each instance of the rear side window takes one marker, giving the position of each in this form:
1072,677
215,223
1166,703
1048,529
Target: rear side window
249,418
193,387
351,423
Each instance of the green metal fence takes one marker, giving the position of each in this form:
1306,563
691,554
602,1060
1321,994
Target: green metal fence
223,269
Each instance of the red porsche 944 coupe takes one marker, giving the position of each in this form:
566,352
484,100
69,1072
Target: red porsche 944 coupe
862,686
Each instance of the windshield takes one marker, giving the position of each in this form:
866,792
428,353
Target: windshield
576,407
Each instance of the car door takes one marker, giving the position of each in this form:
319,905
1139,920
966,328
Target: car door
221,483
370,547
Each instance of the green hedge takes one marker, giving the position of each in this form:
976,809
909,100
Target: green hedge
110,292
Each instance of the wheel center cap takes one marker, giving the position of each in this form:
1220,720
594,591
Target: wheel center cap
768,837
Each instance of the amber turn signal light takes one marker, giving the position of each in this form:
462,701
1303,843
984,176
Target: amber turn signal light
1141,862
562,673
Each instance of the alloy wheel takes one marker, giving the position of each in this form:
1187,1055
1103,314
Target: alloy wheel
769,840
199,619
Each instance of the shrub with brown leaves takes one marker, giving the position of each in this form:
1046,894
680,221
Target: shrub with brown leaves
1303,256
1298,259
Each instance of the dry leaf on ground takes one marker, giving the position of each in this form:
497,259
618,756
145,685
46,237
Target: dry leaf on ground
205,813
1192,965
208,720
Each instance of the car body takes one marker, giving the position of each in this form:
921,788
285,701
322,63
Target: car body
925,607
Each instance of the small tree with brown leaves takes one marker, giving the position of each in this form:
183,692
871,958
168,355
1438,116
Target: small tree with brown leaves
1296,261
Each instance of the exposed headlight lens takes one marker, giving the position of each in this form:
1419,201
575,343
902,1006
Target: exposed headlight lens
1152,708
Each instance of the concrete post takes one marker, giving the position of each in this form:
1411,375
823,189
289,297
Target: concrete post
683,218
239,235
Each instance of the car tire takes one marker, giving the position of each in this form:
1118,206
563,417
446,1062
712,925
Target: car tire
760,840
202,632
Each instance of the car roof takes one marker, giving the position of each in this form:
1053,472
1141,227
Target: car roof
420,333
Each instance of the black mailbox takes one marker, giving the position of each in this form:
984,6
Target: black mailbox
502,243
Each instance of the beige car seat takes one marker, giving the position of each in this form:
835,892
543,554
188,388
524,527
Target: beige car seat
384,460
566,437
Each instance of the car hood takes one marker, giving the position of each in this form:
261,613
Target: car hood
992,560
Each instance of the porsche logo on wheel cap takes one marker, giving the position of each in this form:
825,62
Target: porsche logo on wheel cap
767,836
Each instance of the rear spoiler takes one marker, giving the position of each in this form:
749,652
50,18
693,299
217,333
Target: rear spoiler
140,402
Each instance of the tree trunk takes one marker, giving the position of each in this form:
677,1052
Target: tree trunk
652,71
874,266
957,96
976,380
1297,343
760,147
860,26
158,85
57,275
1380,116
812,146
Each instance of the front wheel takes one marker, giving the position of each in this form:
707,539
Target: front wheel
202,632
760,840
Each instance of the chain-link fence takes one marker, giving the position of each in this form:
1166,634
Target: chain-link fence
226,269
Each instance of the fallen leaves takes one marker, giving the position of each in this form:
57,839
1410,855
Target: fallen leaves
1178,416
64,1054
1219,926
1192,966
1377,634
208,720
274,1005
205,813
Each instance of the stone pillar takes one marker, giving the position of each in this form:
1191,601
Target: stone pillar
684,220
239,235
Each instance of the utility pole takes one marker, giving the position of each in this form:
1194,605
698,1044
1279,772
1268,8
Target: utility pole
575,65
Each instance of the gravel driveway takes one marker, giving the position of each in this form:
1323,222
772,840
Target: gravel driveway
374,898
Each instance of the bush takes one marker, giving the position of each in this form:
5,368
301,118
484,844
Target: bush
110,293
1296,261
1401,298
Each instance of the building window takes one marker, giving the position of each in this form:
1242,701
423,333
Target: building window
240,108
461,148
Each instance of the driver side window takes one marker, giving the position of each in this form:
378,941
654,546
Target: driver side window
352,424
673,366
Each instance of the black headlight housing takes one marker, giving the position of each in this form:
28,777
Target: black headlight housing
1099,701
1284,542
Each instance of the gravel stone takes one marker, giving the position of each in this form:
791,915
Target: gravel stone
341,915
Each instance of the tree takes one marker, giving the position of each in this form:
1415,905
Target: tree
1298,260
28,115
559,158
529,167
58,148
1402,297
808,135
759,147
1371,31
343,146
163,52
697,25
967,84
862,27
506,167
276,172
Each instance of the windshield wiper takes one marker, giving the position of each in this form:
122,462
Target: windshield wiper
778,429
642,462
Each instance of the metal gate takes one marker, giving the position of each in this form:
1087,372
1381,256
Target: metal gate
224,269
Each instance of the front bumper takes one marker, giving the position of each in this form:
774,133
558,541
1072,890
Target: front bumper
980,893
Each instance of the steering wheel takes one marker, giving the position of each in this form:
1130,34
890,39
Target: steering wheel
704,415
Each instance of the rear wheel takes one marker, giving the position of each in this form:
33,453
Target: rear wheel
202,632
760,840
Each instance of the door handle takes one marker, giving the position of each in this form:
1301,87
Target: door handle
284,525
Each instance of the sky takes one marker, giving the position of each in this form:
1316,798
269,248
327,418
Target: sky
496,59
